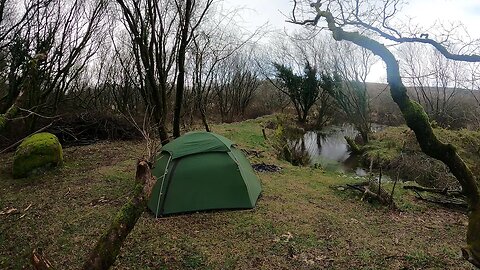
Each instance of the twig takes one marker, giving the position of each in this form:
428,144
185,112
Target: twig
39,261
30,112
264,134
447,202
394,185
28,207
380,181
20,141
152,144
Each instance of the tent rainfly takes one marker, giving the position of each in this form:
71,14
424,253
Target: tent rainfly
202,171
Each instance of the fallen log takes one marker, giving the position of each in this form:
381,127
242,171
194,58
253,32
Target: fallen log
444,191
360,187
108,247
444,200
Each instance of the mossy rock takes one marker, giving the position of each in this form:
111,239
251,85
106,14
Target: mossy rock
37,153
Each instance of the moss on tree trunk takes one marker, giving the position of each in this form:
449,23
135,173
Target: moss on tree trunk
9,114
108,246
353,146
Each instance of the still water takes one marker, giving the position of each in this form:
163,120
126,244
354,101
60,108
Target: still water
329,149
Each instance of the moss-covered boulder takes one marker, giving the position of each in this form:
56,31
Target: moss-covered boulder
36,153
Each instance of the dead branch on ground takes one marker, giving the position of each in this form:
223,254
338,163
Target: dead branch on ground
443,191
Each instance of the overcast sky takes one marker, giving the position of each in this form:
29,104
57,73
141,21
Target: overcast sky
424,12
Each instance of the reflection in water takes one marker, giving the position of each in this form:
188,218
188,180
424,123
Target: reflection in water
328,148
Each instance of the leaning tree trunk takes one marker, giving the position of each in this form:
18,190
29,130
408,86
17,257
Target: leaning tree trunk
418,121
18,102
108,246
204,119
10,113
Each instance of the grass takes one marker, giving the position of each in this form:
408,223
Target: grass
302,221
396,148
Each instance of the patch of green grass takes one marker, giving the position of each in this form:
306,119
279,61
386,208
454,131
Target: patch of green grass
405,199
193,260
246,134
308,241
451,253
230,262
420,258
366,255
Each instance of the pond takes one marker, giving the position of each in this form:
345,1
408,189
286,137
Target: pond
329,149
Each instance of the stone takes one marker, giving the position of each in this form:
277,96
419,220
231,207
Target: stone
37,153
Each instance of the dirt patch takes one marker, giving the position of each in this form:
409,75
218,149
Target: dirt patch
262,167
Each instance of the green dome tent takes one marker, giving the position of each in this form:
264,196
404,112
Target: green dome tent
202,171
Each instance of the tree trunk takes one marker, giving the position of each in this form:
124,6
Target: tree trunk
418,121
299,112
364,133
107,248
11,112
181,70
163,134
204,119
7,101
304,117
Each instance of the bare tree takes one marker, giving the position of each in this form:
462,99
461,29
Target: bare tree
235,83
472,83
375,18
436,81
187,33
214,43
47,52
352,65
160,33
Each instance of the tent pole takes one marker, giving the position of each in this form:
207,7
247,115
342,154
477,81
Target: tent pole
161,186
